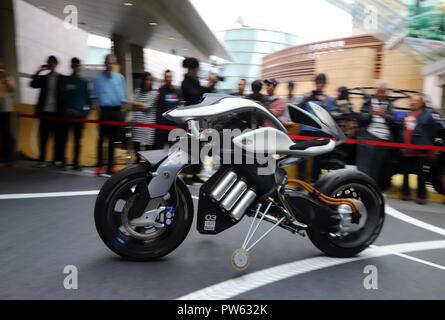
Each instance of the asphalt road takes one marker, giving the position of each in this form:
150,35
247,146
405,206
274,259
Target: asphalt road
40,236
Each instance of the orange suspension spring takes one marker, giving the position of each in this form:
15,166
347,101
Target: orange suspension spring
323,197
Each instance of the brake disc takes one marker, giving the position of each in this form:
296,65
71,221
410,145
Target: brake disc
142,222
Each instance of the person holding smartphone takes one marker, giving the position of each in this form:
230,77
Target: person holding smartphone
49,104
192,93
319,97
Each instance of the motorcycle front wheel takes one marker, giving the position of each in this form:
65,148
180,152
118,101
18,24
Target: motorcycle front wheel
124,198
352,184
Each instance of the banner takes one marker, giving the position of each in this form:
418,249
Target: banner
426,24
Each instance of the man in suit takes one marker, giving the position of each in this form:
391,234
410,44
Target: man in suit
49,104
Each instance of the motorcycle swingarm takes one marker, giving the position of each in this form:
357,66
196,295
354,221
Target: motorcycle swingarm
315,214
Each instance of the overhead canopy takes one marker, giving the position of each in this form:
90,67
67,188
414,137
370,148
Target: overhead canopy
171,26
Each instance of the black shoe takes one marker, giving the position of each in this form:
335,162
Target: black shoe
76,167
406,198
43,164
59,165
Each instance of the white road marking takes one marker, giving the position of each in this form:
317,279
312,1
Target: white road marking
401,216
402,255
47,195
435,265
237,286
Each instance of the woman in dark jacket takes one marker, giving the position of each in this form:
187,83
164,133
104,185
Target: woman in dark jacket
419,127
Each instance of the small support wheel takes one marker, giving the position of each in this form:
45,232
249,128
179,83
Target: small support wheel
240,259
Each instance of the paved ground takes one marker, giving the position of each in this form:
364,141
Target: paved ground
40,236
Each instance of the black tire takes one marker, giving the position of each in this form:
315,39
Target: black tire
129,183
374,202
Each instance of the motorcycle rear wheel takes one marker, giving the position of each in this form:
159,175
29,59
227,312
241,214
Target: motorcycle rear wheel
352,184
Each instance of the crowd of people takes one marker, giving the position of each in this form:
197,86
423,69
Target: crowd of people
72,96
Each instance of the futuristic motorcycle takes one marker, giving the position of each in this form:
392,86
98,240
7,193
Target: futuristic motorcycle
145,211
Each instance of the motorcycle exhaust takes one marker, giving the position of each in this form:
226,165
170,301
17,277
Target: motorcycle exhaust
234,195
226,183
246,201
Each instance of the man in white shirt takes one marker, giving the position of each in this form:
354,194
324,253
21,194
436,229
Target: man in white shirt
378,124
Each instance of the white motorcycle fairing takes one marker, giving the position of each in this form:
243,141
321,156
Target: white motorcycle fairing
272,141
215,106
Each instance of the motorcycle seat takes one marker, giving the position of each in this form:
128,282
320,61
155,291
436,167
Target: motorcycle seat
272,141
303,145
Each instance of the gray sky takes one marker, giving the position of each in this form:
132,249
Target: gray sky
313,20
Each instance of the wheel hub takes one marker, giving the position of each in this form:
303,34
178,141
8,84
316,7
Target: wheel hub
352,221
240,259
149,219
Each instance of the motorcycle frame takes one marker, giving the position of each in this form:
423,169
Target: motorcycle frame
166,166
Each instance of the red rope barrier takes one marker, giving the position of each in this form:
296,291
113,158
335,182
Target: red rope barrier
113,123
293,137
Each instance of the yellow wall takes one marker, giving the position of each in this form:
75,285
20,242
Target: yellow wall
402,71
28,143
353,67
356,67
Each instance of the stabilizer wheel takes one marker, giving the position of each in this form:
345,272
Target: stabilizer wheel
240,259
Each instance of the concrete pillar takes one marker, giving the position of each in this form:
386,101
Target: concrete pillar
8,51
137,59
122,51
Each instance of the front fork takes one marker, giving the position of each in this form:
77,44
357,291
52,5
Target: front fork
167,167
166,172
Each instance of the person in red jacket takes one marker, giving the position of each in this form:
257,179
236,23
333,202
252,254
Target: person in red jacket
419,127
275,104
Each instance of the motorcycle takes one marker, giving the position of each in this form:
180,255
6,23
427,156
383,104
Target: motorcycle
145,211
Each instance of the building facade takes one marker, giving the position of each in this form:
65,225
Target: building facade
248,46
360,60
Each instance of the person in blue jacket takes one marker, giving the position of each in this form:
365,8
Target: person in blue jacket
319,97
